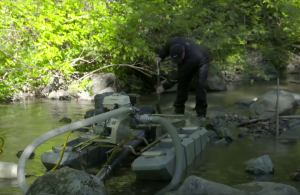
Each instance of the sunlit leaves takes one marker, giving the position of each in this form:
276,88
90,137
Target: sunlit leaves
49,35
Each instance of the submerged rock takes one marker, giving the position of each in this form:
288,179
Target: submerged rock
65,120
19,154
224,141
67,181
198,186
212,136
260,166
296,175
267,188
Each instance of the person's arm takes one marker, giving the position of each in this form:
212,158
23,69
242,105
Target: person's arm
169,84
165,51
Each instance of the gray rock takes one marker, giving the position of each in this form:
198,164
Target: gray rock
229,76
59,95
216,83
226,133
223,141
53,85
67,181
293,133
103,81
243,103
107,90
260,166
212,136
265,106
197,186
297,97
84,95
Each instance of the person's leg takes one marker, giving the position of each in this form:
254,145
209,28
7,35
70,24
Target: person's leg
182,96
201,104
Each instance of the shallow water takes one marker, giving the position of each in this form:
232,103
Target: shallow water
22,122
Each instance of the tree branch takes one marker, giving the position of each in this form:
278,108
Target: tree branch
13,57
140,69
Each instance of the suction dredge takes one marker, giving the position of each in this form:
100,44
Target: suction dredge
164,149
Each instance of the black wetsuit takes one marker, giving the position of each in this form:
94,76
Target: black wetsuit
195,62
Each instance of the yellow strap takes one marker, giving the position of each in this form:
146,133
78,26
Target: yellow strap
62,154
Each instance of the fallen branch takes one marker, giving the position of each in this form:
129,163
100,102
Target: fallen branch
253,121
290,117
298,82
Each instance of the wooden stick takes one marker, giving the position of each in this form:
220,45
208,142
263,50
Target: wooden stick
252,121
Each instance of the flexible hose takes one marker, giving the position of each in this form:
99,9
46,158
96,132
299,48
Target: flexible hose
62,154
179,155
2,143
58,131
113,161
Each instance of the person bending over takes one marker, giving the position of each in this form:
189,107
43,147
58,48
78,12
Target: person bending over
192,60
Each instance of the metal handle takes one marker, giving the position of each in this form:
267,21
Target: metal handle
158,79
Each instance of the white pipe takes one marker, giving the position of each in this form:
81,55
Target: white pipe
8,170
179,155
58,131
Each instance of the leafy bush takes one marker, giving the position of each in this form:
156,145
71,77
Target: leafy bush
74,39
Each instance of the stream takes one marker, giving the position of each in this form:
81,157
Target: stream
22,122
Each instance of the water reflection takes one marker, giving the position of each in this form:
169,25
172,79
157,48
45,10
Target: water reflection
24,121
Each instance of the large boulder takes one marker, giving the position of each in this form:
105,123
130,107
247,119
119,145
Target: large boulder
216,83
265,105
67,181
197,186
53,85
102,81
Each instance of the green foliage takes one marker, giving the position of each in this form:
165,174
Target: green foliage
54,37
